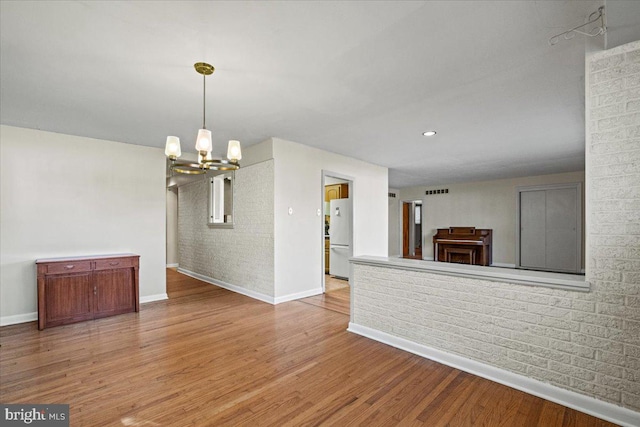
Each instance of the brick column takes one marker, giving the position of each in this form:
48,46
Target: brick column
613,213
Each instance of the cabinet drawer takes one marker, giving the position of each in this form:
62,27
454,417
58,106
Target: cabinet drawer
68,267
111,263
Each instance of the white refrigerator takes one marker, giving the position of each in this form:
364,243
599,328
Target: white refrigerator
339,237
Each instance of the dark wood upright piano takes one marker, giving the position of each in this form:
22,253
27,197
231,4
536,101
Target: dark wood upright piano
463,245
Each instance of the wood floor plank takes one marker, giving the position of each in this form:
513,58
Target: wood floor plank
210,357
336,297
551,414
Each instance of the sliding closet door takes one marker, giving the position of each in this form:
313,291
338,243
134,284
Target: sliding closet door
533,245
562,229
550,229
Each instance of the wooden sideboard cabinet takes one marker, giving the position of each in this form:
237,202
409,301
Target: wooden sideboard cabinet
82,288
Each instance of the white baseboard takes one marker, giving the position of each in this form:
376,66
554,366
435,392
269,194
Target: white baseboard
249,292
176,265
151,298
229,286
298,295
18,318
580,402
503,264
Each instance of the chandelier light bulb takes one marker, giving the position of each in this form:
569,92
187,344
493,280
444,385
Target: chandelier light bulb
234,152
172,149
203,142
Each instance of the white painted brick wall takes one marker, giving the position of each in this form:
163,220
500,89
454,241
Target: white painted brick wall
613,181
585,342
569,339
242,256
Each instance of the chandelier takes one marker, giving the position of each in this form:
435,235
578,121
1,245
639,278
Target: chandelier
204,146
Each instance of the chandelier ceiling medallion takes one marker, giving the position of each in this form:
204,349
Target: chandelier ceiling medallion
204,145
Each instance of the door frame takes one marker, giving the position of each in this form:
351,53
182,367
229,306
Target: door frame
580,201
350,181
401,224
406,229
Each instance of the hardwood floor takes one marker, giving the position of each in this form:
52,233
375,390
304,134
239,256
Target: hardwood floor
336,297
209,357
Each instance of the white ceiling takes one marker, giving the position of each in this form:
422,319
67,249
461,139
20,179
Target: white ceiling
363,79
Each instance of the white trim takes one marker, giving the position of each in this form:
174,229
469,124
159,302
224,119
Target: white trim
152,298
503,265
297,295
401,226
18,318
428,258
572,282
589,405
247,292
176,265
229,286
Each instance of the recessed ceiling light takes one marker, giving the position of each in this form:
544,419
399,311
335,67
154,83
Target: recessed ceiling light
429,133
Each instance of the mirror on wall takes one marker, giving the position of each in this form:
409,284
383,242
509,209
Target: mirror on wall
221,200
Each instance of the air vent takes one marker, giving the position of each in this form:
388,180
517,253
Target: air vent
441,191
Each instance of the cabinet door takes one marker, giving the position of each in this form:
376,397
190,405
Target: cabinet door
326,256
114,292
332,192
336,191
344,191
68,298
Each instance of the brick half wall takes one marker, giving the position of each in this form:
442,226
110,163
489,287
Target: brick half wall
588,343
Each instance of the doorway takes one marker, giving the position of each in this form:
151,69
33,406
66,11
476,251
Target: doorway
412,229
337,231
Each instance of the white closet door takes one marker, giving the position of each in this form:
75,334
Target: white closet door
549,222
533,229
561,233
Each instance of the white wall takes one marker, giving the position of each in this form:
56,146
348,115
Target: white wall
299,239
65,195
623,22
487,204
172,226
